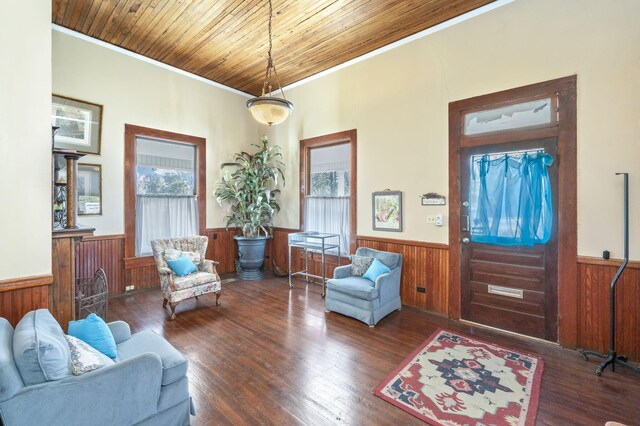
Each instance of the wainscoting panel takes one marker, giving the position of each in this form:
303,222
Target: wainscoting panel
104,252
21,295
594,278
107,252
143,277
425,267
277,248
222,248
425,271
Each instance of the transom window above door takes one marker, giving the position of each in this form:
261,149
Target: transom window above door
539,112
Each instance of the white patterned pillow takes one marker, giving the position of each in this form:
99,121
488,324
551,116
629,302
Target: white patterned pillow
360,264
172,254
85,358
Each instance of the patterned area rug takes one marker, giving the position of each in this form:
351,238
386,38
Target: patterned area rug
453,380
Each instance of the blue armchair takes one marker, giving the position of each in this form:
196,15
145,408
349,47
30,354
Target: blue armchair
362,299
147,385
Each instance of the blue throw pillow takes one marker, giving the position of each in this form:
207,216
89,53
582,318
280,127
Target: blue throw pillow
94,331
181,266
376,269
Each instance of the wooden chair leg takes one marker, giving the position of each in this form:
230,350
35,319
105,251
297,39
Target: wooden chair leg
173,310
164,303
218,298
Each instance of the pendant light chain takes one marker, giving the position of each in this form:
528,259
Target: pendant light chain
269,109
270,42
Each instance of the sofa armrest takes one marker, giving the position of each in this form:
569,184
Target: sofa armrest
124,393
389,284
342,272
166,279
120,330
208,266
164,271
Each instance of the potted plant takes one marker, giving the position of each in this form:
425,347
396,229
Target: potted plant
249,186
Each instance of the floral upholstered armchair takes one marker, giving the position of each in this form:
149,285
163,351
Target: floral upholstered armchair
176,288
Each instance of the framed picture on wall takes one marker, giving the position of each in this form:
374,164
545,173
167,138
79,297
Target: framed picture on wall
79,122
387,211
89,189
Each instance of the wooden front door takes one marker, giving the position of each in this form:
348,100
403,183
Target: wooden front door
466,119
512,287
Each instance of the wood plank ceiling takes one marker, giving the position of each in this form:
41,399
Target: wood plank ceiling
226,40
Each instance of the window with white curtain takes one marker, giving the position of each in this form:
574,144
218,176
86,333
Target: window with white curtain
166,195
327,205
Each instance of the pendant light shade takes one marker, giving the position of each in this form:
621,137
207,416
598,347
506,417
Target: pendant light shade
267,108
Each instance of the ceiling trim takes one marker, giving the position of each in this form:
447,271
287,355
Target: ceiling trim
72,33
451,22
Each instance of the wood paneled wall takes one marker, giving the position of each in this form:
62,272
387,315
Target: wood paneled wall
425,266
594,279
107,252
222,248
104,252
21,295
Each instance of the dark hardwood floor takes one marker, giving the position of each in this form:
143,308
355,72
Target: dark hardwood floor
270,355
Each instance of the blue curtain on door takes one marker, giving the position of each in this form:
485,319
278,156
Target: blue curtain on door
510,199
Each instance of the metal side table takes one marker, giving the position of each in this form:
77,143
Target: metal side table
314,242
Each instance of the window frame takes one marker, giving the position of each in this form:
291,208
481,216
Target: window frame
306,145
131,133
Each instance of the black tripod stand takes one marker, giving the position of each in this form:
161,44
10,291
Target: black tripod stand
612,358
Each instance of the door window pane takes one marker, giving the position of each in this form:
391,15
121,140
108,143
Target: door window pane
510,199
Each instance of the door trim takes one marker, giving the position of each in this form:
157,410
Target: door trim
565,131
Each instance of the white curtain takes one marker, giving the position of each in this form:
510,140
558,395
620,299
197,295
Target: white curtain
329,215
160,217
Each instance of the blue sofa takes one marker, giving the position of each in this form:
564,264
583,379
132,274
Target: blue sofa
362,299
146,386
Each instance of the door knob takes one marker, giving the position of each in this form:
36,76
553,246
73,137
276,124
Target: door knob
465,240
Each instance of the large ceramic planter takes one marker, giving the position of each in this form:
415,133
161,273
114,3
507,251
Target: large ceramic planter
251,257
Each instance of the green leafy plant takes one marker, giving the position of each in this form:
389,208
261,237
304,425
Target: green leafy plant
249,186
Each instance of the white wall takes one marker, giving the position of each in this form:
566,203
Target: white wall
398,102
25,138
136,92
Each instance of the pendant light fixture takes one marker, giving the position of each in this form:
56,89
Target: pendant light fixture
269,109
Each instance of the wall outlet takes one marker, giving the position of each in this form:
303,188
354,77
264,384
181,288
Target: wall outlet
129,288
431,218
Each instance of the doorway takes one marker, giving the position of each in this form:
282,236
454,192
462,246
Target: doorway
513,211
